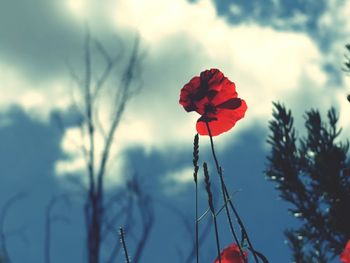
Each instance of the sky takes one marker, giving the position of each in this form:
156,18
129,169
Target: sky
287,51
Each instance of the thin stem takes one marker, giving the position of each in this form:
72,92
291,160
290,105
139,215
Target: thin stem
227,199
9,203
217,237
122,240
240,222
88,112
197,239
211,206
203,215
195,177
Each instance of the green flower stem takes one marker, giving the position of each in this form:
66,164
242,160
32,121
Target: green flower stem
227,199
197,239
122,240
217,237
195,177
211,207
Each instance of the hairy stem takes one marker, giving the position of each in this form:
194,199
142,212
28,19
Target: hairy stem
122,240
195,177
227,199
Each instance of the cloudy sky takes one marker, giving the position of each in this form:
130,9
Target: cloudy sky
287,51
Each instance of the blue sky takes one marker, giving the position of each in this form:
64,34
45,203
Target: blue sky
288,51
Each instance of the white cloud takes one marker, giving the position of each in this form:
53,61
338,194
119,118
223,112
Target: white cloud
266,65
76,146
36,98
335,18
174,181
158,19
235,10
298,19
182,39
77,7
73,166
335,24
183,176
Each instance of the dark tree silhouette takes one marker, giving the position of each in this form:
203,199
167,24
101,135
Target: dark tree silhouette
106,210
312,174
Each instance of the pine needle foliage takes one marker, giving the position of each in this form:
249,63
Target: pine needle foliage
311,173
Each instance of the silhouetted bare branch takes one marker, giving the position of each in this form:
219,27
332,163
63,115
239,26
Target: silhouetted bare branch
98,225
146,210
50,219
7,206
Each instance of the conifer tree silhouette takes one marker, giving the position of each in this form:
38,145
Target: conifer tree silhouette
312,173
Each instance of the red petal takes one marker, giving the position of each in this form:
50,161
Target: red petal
222,121
188,92
348,245
227,91
231,254
212,79
230,104
345,255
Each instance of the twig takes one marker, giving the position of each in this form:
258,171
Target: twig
211,206
122,240
226,198
195,177
202,237
9,203
147,215
49,219
127,225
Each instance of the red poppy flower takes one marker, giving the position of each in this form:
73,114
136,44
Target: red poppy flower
214,97
345,256
231,254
